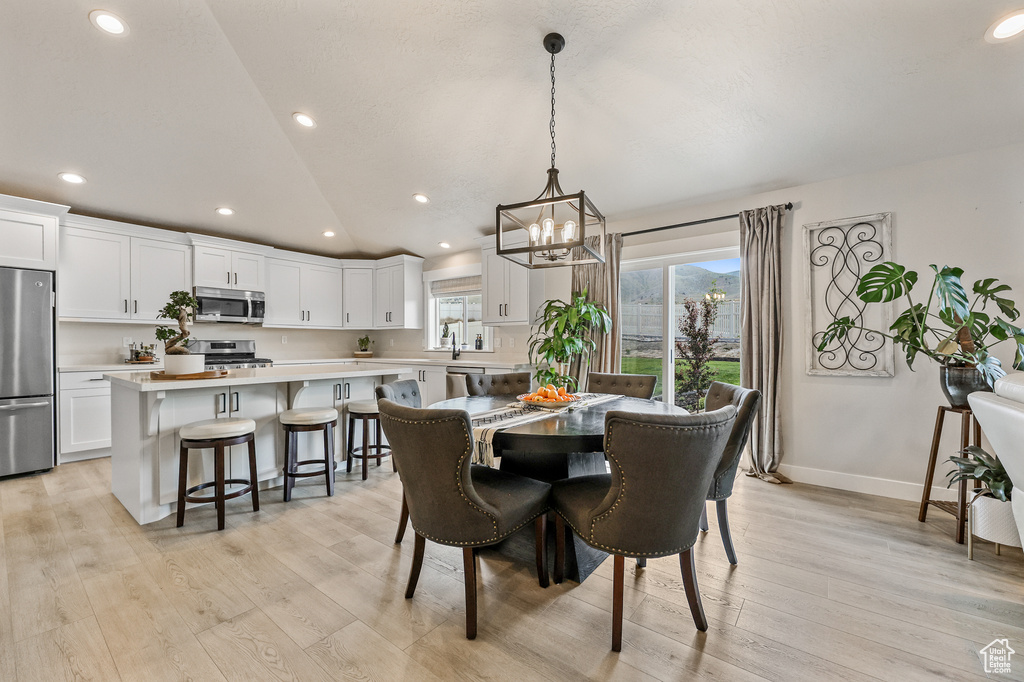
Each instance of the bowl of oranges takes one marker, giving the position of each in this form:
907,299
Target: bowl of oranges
549,396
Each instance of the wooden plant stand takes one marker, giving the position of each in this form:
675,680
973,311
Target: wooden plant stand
958,508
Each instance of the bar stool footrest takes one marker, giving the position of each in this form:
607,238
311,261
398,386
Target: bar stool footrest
315,472
375,451
204,499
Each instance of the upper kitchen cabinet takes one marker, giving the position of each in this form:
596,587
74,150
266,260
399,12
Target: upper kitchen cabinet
304,293
28,232
358,294
108,273
398,293
223,265
511,292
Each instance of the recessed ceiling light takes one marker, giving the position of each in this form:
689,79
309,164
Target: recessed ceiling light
422,198
304,119
444,245
73,178
108,22
328,233
1007,27
224,210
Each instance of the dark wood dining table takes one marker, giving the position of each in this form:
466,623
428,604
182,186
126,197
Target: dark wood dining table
564,445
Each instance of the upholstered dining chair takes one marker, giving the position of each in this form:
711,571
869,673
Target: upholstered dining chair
405,392
512,383
649,505
455,386
746,401
453,502
632,385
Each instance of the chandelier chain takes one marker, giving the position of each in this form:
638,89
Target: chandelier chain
552,126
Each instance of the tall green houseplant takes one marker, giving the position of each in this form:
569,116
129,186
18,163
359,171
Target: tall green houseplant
563,334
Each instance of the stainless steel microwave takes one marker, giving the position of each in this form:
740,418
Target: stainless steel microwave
228,305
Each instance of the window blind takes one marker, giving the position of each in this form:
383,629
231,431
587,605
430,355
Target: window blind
456,286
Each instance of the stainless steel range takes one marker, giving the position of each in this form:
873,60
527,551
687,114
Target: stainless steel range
229,354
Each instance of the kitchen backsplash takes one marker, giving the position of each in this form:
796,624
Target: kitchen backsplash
84,343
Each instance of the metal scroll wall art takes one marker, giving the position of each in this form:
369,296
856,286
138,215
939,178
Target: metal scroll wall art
838,253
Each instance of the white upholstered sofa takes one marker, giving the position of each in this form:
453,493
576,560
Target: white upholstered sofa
1001,415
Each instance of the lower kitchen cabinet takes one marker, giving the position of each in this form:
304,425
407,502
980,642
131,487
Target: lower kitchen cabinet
432,383
83,416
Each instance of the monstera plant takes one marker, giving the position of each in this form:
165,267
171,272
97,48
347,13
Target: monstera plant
950,326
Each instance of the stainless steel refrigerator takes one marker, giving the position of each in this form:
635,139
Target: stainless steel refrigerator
27,376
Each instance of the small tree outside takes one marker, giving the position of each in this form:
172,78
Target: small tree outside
697,349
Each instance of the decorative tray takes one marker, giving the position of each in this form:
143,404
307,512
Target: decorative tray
547,403
212,374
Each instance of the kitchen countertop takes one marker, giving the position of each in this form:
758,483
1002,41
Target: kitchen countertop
111,367
143,383
434,362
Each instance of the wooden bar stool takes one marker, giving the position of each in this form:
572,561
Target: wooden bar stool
958,508
217,434
366,410
309,419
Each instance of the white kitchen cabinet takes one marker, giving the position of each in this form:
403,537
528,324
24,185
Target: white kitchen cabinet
284,294
94,278
334,393
358,296
224,268
303,295
111,276
512,293
157,269
398,293
322,288
83,415
432,382
28,232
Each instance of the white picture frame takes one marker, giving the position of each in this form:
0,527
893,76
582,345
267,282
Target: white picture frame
836,254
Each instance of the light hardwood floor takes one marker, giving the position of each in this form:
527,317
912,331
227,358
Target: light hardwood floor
830,585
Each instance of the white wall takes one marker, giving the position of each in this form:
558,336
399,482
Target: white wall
873,434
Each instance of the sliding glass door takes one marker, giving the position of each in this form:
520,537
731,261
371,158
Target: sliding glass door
655,336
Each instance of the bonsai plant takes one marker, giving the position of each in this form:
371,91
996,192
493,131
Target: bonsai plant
563,334
180,307
363,344
990,518
949,327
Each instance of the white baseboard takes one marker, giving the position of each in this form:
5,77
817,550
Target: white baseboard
900,490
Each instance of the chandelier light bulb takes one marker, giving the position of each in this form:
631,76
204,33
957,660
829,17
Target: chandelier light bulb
548,230
534,233
569,231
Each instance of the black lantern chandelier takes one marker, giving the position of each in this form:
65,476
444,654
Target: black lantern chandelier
550,231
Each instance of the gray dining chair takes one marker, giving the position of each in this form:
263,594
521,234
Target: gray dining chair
632,385
405,392
454,502
512,383
668,462
746,401
455,386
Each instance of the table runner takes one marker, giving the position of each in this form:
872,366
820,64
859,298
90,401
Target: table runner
487,424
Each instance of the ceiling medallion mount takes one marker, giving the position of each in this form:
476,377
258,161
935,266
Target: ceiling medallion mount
551,230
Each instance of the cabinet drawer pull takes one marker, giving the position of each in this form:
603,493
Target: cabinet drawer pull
223,403
347,320
348,391
236,278
229,277
126,305
136,306
237,400
506,310
499,310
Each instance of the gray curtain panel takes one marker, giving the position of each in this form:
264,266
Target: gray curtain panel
761,332
602,284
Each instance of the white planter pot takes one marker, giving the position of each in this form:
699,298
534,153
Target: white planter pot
184,364
993,520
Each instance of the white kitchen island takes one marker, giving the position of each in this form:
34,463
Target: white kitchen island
147,413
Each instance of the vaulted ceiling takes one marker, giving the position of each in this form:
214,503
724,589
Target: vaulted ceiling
660,103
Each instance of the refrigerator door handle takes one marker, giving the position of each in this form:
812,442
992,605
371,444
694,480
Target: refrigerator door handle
9,408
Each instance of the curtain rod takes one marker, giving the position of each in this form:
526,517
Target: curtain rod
789,207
